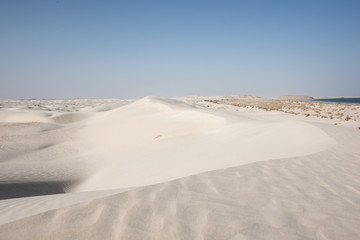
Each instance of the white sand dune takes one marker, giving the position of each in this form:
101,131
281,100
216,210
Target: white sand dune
130,143
179,171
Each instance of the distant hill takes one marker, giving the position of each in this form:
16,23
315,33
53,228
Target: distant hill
295,97
241,96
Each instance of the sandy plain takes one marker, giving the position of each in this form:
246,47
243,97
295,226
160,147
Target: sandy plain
185,168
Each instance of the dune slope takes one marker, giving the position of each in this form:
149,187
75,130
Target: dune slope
308,197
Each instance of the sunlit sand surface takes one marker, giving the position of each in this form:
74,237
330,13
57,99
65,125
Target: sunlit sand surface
185,168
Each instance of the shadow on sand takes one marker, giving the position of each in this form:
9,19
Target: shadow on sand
17,190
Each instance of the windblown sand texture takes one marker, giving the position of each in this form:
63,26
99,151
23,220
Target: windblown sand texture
160,168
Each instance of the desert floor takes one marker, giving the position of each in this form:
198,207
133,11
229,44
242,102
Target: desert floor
184,168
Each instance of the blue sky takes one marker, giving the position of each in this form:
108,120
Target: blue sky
131,49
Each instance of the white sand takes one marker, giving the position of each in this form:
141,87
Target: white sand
219,173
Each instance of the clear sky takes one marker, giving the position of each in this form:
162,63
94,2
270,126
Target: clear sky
131,49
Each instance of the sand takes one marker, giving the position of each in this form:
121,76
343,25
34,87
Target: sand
159,168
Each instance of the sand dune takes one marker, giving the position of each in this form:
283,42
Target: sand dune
129,143
67,118
165,169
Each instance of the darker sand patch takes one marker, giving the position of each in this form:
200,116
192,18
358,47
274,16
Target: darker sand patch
29,189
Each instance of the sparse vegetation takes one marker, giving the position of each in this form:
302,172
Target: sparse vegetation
321,110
